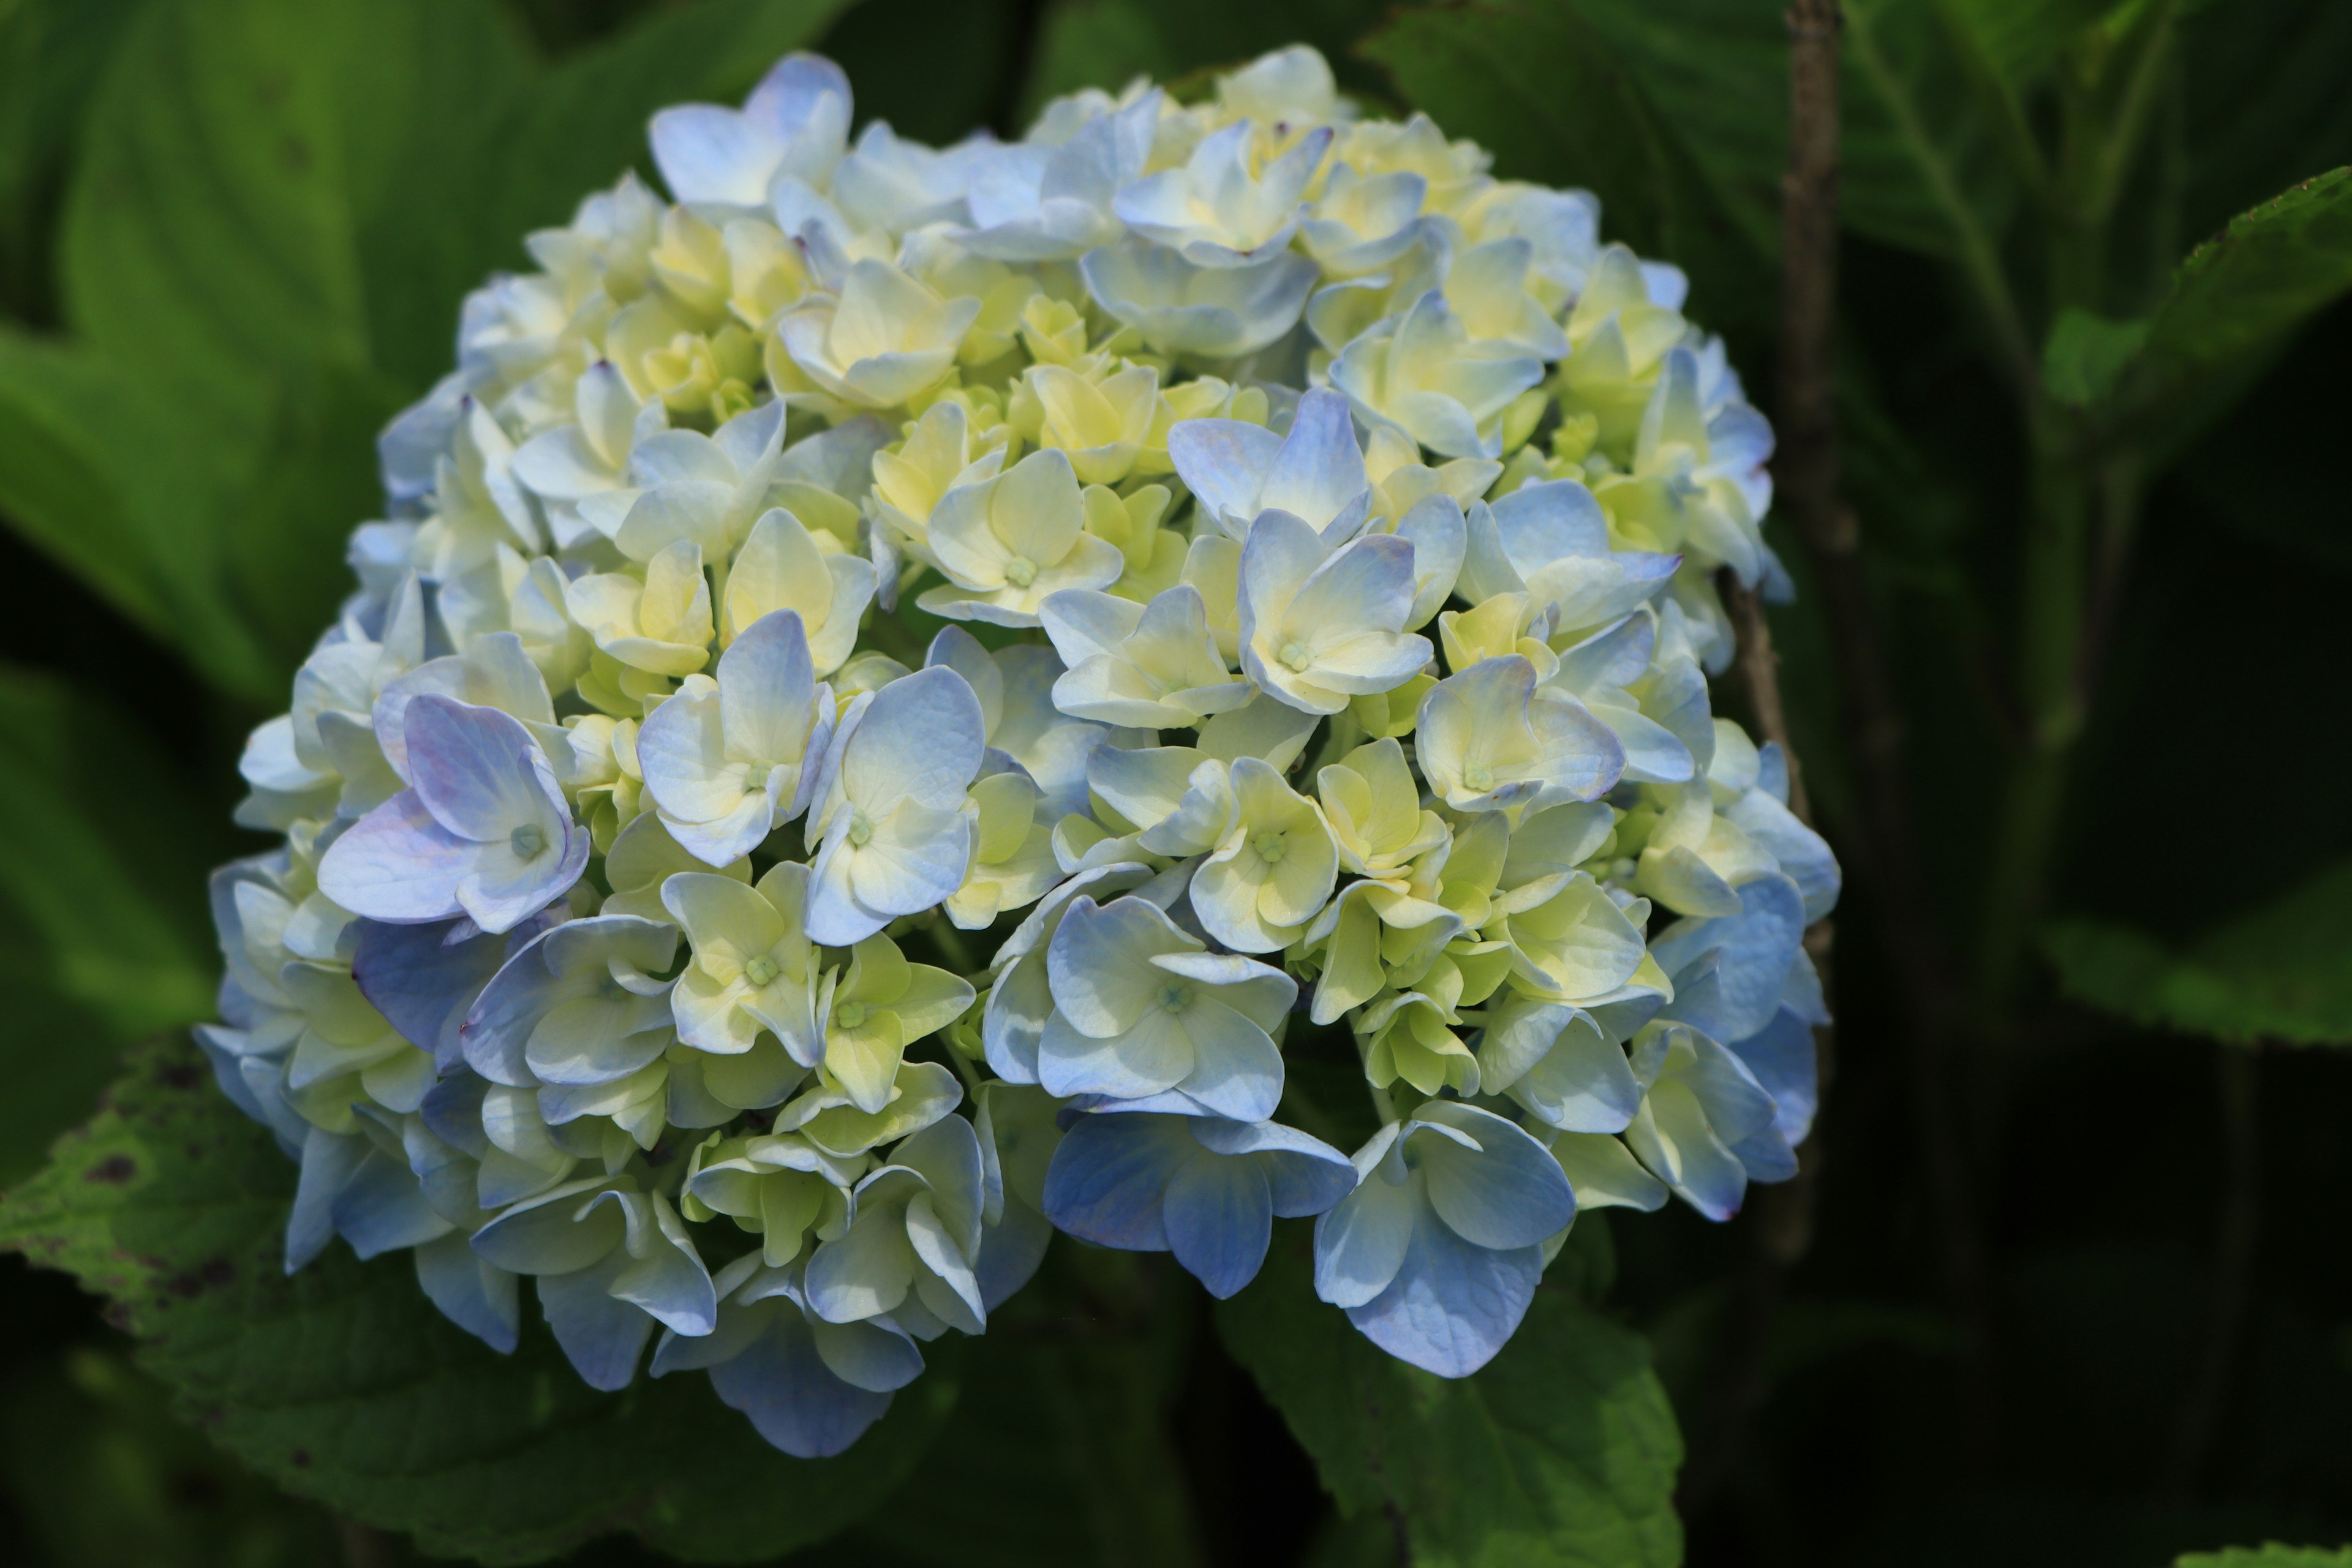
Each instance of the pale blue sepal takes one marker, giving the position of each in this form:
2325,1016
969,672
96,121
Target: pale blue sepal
792,1398
423,978
1451,1304
383,1207
1737,1104
1361,1242
602,1336
1804,856
1766,1156
1780,1056
1507,1193
328,1160
1752,951
1010,1251
876,1355
453,1112
1218,1217
1304,1175
219,1046
559,1231
473,1293
572,962
1803,992
666,1276
1109,1177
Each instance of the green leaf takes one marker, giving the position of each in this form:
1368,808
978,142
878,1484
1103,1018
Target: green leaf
2086,356
58,479
2247,287
89,860
51,52
2277,973
101,1473
342,1382
2287,56
934,68
2270,1555
211,220
2021,39
1920,169
279,208
1563,1450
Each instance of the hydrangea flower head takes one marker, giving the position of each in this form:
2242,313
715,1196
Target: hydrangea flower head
649,883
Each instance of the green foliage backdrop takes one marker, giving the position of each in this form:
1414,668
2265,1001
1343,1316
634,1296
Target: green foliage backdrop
2067,1283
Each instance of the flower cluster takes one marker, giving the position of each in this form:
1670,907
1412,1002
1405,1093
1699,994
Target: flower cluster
876,545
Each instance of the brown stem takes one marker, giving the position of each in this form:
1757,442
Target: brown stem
2236,1075
1759,671
1883,843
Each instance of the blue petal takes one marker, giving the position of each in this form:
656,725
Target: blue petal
474,1294
1737,1105
328,1160
453,1112
423,981
1766,1155
1219,1218
1803,991
220,1048
601,1337
1304,1175
381,1207
1109,1176
1222,461
1780,1056
1508,1193
1361,1242
876,1357
793,1399
558,1232
1802,853
565,964
1010,1252
1754,949
1452,1304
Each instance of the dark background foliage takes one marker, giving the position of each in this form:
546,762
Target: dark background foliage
2113,1325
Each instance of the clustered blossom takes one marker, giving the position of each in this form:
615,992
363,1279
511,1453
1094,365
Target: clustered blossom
1318,541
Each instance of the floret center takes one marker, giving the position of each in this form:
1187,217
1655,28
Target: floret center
1175,997
850,1015
861,830
761,969
1297,656
1478,776
529,842
1021,570
1270,847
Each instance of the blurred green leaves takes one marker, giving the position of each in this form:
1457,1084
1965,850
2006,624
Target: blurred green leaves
1561,1451
341,1383
2086,355
103,1474
2276,973
1672,115
1107,43
277,206
2242,291
2273,1555
91,856
103,934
